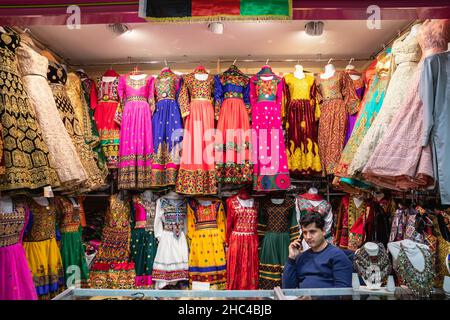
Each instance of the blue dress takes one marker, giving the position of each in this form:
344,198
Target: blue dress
167,130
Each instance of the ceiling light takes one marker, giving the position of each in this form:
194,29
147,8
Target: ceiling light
118,28
314,28
216,27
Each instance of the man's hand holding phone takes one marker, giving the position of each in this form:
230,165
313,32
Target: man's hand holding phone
295,248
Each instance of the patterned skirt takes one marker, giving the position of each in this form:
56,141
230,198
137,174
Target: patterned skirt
143,252
274,254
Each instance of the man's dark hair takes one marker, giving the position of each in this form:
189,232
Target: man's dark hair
313,218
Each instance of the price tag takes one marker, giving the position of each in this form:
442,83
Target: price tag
48,192
196,285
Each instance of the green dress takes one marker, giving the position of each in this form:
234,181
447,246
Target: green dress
72,247
143,241
277,227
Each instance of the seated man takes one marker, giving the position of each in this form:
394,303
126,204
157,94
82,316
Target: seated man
322,265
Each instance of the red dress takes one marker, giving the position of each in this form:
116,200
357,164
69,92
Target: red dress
242,240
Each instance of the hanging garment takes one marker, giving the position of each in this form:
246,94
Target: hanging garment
359,85
271,170
143,241
171,260
337,98
75,92
33,68
43,255
167,125
16,279
27,160
242,240
356,211
401,160
314,203
434,92
90,127
232,142
206,233
136,140
442,251
340,238
73,251
104,100
197,174
369,111
57,78
302,114
406,53
112,268
277,227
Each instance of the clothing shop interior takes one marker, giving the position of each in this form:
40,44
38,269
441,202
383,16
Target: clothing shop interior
178,159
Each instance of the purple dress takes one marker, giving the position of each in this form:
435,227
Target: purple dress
16,280
351,118
136,141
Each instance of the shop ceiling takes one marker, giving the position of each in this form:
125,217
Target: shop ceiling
96,44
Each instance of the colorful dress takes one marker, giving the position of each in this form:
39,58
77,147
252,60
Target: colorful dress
112,268
242,240
313,203
369,111
16,279
171,261
268,149
104,101
33,68
42,251
232,142
359,88
197,173
406,53
143,241
302,115
136,142
72,247
167,130
337,97
400,160
277,227
206,233
57,78
27,160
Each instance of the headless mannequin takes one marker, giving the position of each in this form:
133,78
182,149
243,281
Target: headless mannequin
358,201
371,248
42,201
147,195
373,282
354,75
138,76
266,77
413,253
277,201
298,73
414,32
2,29
313,190
173,195
201,76
166,69
330,70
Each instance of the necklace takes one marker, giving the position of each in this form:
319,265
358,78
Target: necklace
420,282
373,269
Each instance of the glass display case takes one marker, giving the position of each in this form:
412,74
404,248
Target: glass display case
400,293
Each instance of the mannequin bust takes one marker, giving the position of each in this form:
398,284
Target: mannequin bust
138,76
173,195
330,70
358,201
2,29
6,204
412,251
42,201
313,190
298,73
414,31
372,263
201,74
147,195
277,201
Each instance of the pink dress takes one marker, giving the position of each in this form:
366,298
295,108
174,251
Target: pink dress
268,149
16,280
136,140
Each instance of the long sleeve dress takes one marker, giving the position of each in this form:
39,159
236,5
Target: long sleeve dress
270,170
197,174
232,142
136,94
242,240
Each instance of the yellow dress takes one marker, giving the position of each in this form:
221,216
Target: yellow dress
300,116
43,255
206,235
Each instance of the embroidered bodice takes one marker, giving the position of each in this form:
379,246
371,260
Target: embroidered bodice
406,49
43,222
70,216
322,207
167,85
205,213
144,213
107,90
9,42
245,218
31,62
138,89
277,217
174,215
232,84
300,89
12,226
